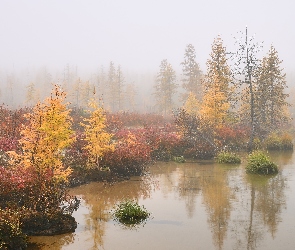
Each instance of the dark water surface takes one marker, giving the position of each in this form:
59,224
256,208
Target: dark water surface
201,205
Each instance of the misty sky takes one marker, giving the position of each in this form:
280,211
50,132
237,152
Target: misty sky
137,34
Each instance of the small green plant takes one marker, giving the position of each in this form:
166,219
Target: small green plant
130,212
179,159
228,157
259,163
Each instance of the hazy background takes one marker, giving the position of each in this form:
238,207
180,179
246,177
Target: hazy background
136,34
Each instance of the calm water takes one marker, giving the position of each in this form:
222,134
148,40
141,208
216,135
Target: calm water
200,205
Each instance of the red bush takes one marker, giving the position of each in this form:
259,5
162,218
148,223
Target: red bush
233,137
131,154
11,122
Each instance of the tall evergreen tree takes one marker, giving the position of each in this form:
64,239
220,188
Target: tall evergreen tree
31,94
119,94
110,101
165,88
130,95
270,90
191,73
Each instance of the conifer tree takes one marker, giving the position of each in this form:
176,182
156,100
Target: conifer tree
165,88
192,74
215,106
47,135
218,92
118,91
85,92
31,94
98,140
111,87
270,90
130,95
192,105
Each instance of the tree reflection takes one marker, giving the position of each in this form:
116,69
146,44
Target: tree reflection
189,187
264,205
216,196
101,199
270,201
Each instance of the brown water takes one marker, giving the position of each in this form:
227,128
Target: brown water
200,205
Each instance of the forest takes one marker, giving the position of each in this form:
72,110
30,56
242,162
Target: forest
73,131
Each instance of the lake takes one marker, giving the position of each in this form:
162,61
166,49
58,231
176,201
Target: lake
193,205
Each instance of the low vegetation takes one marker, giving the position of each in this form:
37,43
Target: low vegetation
130,212
277,141
11,235
259,163
179,159
228,158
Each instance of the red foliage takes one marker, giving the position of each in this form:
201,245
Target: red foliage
76,156
8,144
25,187
11,122
233,136
131,153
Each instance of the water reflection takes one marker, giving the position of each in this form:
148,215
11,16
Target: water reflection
200,205
189,187
216,196
101,199
265,199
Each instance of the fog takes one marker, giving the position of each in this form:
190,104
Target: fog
85,35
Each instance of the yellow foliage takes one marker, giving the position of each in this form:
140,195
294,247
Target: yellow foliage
215,106
192,105
98,140
47,135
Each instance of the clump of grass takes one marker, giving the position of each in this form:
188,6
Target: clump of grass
259,163
276,141
179,159
228,157
130,212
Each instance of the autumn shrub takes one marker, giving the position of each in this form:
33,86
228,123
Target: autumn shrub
130,156
234,137
201,150
164,141
196,142
130,212
76,156
12,121
11,235
259,163
287,142
276,141
35,196
228,158
9,144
